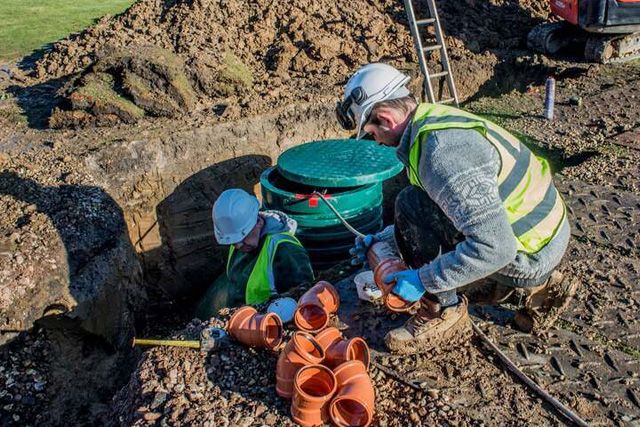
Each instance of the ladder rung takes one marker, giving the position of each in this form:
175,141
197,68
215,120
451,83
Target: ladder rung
430,48
426,21
447,101
440,74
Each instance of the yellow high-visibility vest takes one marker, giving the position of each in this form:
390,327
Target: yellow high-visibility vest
534,206
261,283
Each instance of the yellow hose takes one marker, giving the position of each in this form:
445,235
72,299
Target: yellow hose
170,343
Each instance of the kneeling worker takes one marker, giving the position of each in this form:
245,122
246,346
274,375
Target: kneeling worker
265,258
481,208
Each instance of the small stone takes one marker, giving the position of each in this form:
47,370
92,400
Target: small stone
246,422
159,399
575,100
260,409
152,416
270,420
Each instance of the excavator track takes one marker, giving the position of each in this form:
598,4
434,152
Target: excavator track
612,49
551,37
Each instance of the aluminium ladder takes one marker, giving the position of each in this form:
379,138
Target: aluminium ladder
416,25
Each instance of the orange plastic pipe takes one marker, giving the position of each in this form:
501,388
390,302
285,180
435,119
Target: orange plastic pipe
315,307
383,261
255,330
314,386
338,349
355,399
302,350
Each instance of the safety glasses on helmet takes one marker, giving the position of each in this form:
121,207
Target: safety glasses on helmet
344,113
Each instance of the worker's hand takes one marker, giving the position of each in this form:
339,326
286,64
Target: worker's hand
408,285
359,250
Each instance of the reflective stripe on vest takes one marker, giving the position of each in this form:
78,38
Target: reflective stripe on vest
534,207
261,283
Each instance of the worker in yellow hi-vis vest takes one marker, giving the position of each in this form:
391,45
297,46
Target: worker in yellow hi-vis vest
265,258
481,209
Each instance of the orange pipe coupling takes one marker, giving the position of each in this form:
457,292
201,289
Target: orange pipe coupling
255,330
314,386
337,349
315,307
355,399
383,261
302,350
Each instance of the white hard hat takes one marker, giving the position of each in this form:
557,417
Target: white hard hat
371,84
234,215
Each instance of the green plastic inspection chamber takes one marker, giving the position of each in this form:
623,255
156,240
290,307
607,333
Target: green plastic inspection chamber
349,173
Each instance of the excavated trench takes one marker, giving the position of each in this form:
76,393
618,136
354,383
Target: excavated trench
166,185
152,224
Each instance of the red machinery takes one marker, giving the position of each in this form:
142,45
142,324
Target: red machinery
609,29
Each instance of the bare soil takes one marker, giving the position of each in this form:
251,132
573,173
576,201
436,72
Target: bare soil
296,52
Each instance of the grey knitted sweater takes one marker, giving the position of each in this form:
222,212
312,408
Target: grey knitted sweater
459,170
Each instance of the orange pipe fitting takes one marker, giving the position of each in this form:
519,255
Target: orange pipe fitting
315,307
355,400
314,386
337,349
256,330
302,350
383,261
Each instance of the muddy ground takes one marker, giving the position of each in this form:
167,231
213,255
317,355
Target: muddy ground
105,230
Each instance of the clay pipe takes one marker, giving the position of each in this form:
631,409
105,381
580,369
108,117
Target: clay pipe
314,386
338,349
383,261
354,402
255,330
302,350
315,307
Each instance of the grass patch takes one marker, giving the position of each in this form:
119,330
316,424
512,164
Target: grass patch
234,75
30,24
98,89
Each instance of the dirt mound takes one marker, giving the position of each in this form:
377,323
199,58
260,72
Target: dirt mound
282,52
124,84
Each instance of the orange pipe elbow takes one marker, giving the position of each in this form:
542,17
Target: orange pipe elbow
302,350
384,261
314,386
255,330
339,350
315,307
355,399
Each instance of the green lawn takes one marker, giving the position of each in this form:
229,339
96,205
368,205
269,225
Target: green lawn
26,25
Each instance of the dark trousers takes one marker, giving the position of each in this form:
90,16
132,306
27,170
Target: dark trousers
423,232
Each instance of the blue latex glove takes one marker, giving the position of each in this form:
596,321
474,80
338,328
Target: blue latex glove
408,285
359,250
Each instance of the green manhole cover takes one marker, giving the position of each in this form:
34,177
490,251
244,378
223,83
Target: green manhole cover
339,163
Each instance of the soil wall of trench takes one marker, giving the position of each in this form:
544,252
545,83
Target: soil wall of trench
167,182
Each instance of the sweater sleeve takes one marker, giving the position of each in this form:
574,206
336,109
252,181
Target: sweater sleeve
291,267
458,169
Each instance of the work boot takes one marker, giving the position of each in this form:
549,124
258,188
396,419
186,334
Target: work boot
430,327
544,304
